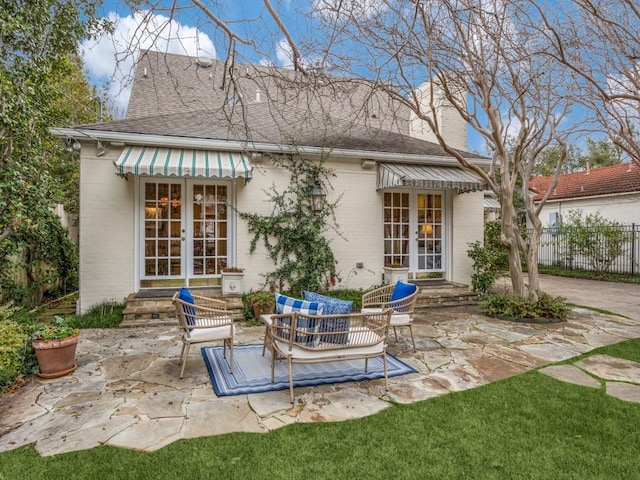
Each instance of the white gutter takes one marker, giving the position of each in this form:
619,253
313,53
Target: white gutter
236,146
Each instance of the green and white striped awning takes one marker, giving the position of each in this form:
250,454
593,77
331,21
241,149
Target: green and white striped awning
183,162
491,204
392,175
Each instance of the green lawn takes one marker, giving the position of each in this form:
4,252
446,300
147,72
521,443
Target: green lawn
529,427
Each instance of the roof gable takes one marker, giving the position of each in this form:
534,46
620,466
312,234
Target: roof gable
167,83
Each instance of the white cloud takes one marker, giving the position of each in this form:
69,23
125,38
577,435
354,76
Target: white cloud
283,54
110,59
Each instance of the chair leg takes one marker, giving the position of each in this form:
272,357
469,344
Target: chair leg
366,364
264,345
273,367
230,356
395,333
184,358
291,379
386,378
184,345
412,339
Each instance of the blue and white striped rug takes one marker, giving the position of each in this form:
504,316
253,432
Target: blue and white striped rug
252,371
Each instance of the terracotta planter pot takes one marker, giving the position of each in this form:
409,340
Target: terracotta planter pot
56,358
259,310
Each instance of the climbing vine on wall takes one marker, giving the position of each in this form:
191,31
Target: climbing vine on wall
292,234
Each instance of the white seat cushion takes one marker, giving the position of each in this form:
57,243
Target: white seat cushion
397,319
210,334
337,353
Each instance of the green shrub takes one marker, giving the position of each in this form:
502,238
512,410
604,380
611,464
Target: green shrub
490,259
514,307
107,314
598,240
17,357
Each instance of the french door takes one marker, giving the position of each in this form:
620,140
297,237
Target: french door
414,231
185,231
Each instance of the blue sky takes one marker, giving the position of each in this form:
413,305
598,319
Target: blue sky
110,60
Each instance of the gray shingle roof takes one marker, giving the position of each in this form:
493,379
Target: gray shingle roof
172,95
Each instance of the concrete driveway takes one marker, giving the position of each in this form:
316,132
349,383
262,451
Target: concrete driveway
621,298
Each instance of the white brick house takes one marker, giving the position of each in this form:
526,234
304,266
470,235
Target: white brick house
156,187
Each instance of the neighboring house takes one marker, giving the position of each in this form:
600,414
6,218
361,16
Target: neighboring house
156,187
612,191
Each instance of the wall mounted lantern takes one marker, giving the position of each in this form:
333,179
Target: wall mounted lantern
317,198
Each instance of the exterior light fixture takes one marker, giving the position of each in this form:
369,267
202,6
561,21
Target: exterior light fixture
317,198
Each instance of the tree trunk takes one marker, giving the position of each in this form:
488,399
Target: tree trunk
532,263
510,234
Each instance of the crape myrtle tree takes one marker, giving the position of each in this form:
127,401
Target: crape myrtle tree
37,42
485,60
599,41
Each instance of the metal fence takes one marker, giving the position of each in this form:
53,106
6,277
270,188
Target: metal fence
607,250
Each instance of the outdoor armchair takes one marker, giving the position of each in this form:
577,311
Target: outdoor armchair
381,298
205,320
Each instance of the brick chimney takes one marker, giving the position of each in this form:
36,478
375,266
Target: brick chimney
452,125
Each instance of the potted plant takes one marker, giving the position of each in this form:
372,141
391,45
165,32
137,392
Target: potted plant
232,280
261,303
55,346
394,272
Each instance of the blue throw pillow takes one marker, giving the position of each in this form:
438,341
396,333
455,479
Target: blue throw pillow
185,296
402,290
286,304
332,306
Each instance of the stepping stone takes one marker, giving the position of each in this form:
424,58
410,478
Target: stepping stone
611,368
624,391
570,374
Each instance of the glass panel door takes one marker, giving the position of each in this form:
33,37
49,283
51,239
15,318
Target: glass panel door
396,228
210,226
429,232
163,229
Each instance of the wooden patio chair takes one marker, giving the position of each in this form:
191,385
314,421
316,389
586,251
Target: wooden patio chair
379,299
205,320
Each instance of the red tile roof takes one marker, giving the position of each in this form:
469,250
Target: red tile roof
621,178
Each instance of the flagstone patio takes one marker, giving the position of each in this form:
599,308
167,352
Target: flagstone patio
127,392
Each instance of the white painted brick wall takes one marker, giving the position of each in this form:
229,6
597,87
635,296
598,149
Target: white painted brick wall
358,216
106,230
468,225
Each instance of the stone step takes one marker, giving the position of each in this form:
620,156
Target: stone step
160,311
147,311
444,295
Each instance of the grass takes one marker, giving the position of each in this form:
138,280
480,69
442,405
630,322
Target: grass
526,427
